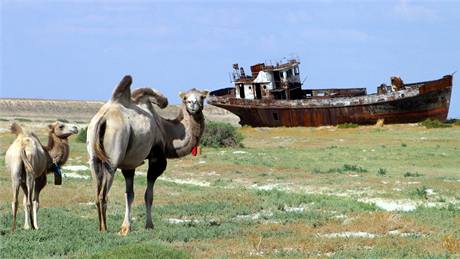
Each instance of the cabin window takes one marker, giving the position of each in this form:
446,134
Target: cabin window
275,116
296,71
265,87
242,95
258,91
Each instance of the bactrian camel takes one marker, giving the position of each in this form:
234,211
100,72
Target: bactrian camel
127,130
29,161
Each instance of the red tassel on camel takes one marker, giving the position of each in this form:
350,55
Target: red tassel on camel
194,150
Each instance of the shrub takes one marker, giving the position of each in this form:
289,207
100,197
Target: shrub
353,168
220,134
382,171
409,174
455,122
421,192
430,124
340,170
81,137
347,125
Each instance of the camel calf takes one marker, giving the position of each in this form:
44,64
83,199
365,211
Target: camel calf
29,161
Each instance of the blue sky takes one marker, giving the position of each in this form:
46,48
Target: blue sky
81,49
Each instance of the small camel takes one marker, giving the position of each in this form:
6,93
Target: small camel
127,130
29,161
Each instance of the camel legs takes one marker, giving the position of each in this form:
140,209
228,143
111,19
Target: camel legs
40,182
129,197
103,192
28,195
17,170
156,168
14,204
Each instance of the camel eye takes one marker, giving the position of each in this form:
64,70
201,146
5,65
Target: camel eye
61,127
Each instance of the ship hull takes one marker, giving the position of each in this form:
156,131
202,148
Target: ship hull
418,102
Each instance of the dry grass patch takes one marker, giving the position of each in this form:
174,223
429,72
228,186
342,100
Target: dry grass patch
382,223
451,244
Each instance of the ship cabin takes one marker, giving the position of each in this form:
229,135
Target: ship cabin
279,82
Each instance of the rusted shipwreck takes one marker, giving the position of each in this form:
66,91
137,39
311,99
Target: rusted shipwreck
272,96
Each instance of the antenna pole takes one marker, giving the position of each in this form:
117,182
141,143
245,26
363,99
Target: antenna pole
304,80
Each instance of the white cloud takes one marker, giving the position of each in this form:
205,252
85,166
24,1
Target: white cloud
410,11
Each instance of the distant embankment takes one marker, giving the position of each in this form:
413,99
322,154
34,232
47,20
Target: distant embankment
74,110
49,109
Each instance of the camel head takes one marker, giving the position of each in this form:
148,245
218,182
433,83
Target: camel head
194,100
62,130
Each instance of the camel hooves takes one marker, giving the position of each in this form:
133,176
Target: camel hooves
124,230
149,226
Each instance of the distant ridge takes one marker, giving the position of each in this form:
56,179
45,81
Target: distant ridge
82,110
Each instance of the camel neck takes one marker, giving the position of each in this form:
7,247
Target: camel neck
188,129
58,149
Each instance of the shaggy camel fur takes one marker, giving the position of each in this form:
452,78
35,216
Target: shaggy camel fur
29,161
127,130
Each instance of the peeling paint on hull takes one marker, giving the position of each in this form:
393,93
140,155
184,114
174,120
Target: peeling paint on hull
417,102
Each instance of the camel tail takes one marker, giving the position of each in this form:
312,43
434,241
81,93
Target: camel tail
16,129
27,164
98,141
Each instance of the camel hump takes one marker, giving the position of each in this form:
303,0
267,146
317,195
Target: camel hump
122,92
153,95
16,129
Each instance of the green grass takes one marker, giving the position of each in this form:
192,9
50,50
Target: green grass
64,233
276,198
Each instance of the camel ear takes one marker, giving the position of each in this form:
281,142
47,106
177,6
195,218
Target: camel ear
182,95
205,93
51,127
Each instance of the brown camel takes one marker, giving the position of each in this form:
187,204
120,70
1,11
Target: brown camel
127,130
29,161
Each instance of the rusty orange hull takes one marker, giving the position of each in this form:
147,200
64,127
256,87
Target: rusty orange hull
417,102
